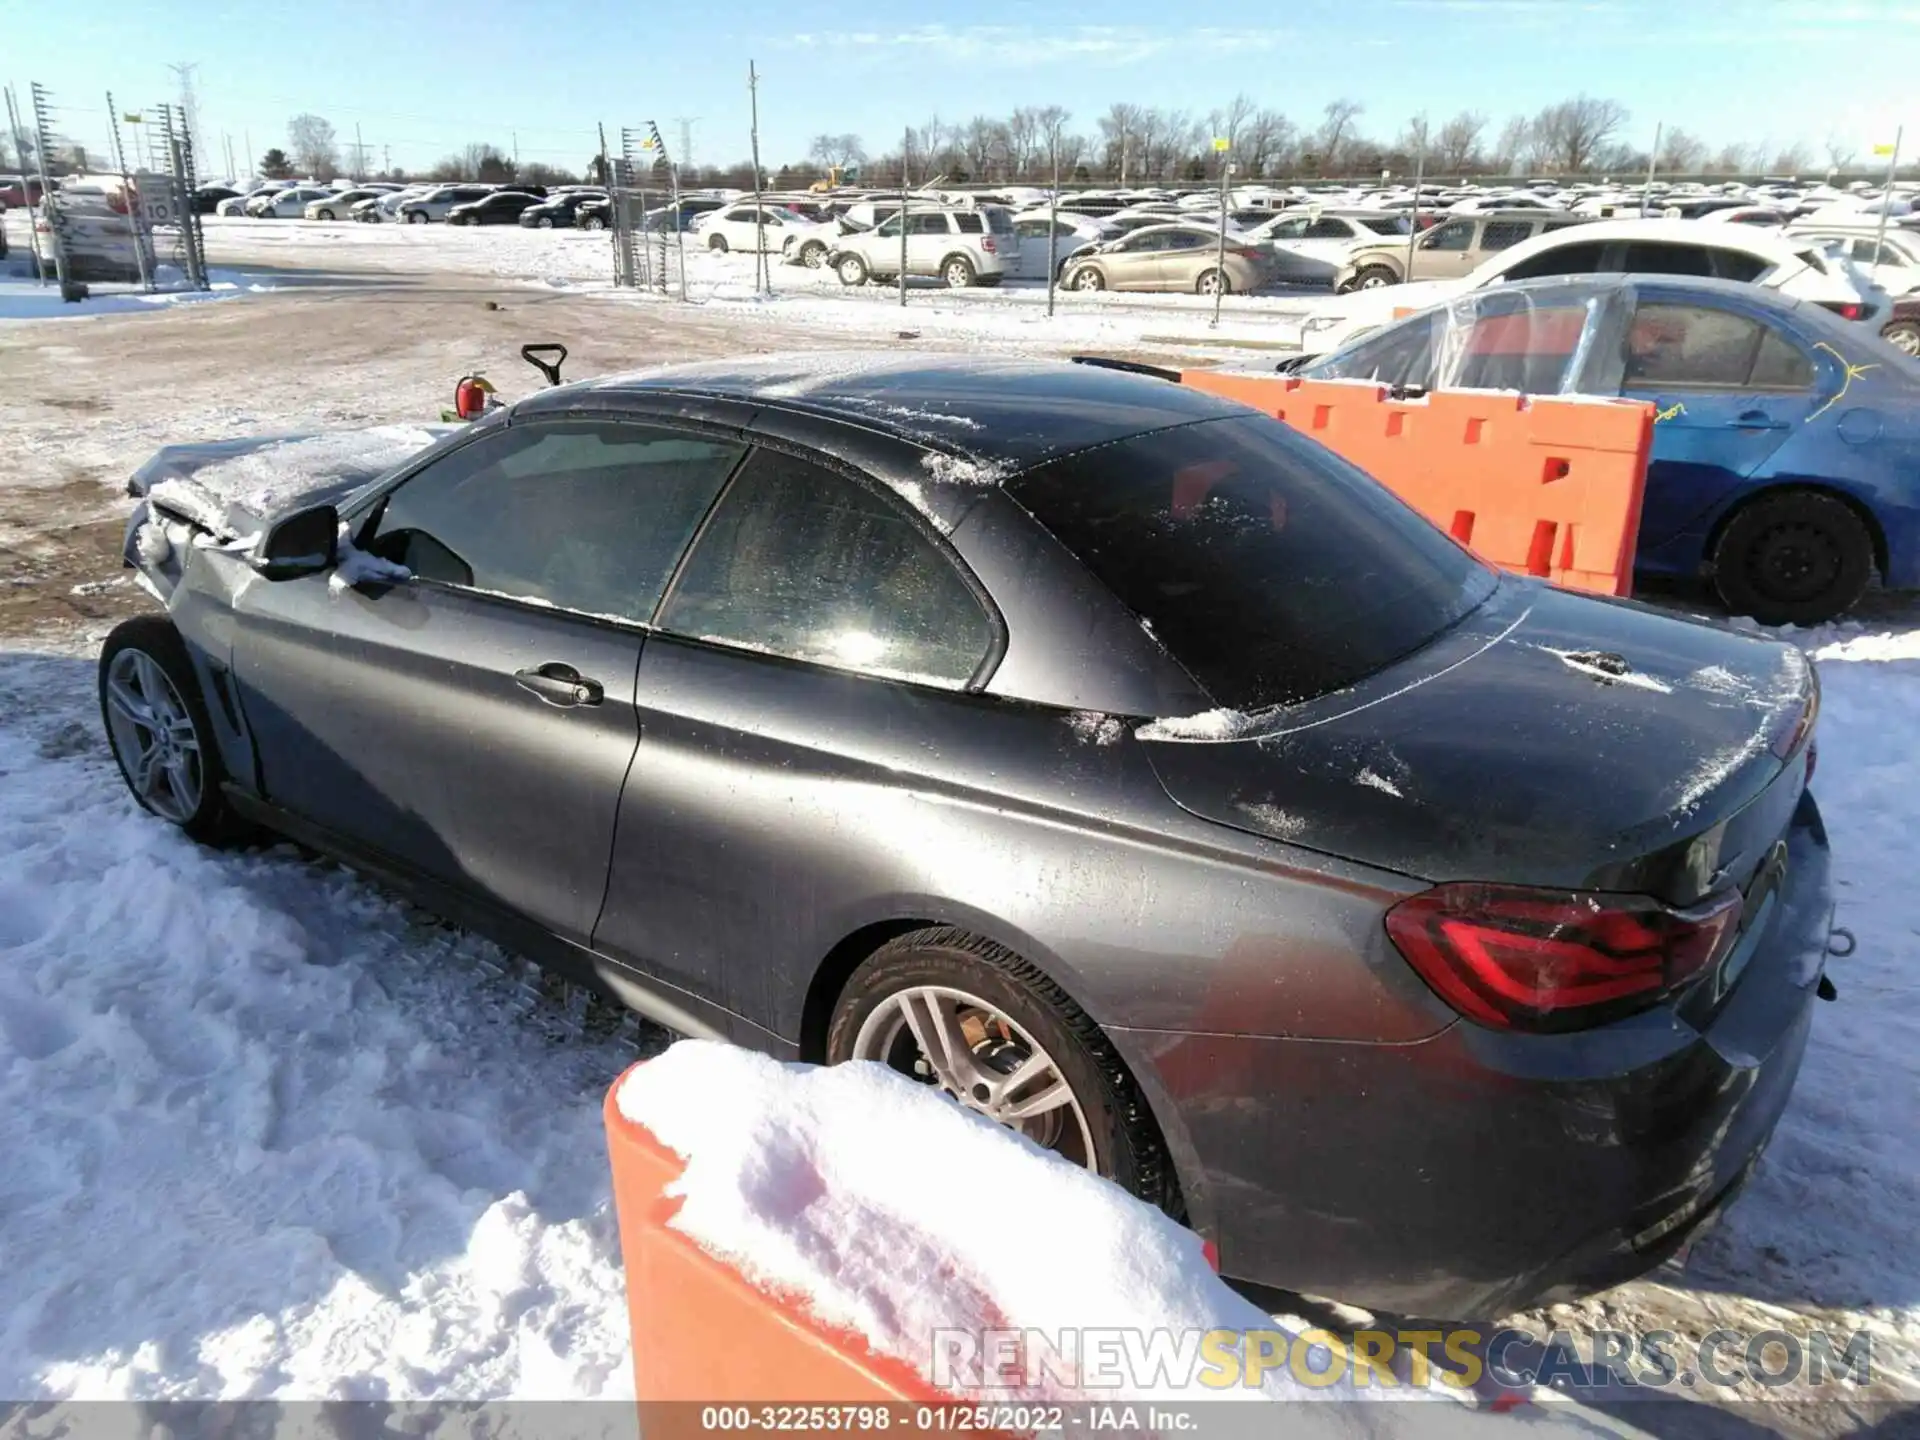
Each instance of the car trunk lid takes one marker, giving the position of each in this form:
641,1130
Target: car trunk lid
1547,739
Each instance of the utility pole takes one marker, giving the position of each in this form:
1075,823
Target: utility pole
686,124
1419,175
1053,220
386,159
906,146
1886,199
1653,160
1225,147
516,152
359,154
762,272
252,173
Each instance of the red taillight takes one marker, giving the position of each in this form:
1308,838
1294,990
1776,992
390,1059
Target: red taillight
1845,309
986,244
1522,959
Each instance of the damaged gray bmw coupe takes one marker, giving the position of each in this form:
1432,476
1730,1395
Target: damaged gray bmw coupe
1098,750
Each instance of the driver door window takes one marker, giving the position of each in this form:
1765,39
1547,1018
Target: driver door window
1454,235
579,515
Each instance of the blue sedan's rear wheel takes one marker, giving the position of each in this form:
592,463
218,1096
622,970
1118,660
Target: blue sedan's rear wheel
1799,557
974,1020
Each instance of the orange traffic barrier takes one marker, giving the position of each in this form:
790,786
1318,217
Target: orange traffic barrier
703,1332
1539,485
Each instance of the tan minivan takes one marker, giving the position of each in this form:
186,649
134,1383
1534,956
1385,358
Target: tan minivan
1454,247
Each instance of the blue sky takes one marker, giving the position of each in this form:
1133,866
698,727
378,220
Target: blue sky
424,79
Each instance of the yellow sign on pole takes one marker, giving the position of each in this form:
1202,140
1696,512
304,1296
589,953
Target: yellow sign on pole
1883,149
1220,142
132,119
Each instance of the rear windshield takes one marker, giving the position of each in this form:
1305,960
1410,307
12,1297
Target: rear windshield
1270,568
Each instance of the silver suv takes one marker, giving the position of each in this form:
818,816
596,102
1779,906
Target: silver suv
435,204
1456,246
972,245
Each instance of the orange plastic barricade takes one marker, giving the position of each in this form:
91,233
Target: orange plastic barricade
1544,486
705,1335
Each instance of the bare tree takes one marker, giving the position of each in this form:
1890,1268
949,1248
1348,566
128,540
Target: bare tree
1120,138
1336,129
1681,153
1457,146
1840,154
1232,124
834,151
1512,150
1417,138
983,143
314,148
1572,135
1267,144
1792,159
1735,159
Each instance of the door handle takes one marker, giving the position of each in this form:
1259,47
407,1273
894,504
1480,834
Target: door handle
560,685
1755,420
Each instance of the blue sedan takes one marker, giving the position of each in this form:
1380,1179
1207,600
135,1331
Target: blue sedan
1786,451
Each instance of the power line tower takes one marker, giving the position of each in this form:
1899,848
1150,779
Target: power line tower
686,124
189,113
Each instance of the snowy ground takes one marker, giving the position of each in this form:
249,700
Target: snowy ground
268,1132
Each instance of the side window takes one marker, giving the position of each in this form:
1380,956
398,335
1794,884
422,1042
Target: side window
1500,234
801,562
1737,265
971,224
890,226
1454,235
1189,240
1646,257
1559,260
935,224
1690,345
1031,229
1329,229
1292,228
586,516
1781,365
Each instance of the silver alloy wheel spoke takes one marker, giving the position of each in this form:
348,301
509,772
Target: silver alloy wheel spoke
152,733
1033,1096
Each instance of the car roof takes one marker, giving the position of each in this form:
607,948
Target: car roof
1691,232
1008,413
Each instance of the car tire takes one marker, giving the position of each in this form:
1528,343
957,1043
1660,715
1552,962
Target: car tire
717,244
417,217
144,667
1904,336
1106,1124
957,272
852,270
1088,277
545,222
813,255
1213,282
1794,558
324,215
1373,277
593,222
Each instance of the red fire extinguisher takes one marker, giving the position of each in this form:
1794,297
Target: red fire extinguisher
472,397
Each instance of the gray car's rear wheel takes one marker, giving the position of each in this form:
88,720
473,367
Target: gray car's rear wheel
1213,282
971,1018
813,254
1798,558
158,728
1904,336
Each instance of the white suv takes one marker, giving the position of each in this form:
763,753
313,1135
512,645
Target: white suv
962,246
1795,266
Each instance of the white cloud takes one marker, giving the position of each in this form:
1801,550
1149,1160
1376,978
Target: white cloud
1019,45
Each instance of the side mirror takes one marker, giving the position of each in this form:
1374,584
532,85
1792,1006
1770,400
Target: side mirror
305,542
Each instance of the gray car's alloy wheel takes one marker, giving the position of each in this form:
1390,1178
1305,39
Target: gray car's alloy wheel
1904,336
1087,279
1375,277
813,255
852,270
974,1020
325,215
958,272
158,728
1213,282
